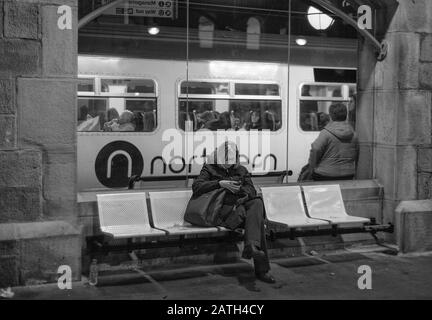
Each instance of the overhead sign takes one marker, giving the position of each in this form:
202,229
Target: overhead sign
145,8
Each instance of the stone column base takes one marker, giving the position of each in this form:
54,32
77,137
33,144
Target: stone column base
31,253
414,226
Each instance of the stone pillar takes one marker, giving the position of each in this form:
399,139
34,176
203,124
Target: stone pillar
395,108
38,210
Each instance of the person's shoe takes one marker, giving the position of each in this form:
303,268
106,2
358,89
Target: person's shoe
251,251
265,277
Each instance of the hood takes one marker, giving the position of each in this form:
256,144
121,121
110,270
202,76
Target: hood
341,130
219,156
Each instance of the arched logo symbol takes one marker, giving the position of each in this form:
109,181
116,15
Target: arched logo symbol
116,162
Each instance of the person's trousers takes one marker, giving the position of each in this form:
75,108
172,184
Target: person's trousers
252,220
255,231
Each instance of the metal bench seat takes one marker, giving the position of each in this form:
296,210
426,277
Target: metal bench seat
125,215
284,205
168,209
131,231
325,202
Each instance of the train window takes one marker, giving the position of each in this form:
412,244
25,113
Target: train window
128,86
144,112
256,89
256,114
232,114
91,114
207,88
261,109
128,105
86,85
196,111
316,99
323,91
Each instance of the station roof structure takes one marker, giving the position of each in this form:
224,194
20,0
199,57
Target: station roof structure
230,18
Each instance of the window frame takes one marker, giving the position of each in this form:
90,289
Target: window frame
98,94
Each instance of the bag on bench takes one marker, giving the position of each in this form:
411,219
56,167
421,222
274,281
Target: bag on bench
204,210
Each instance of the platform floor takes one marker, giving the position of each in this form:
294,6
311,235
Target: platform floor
332,275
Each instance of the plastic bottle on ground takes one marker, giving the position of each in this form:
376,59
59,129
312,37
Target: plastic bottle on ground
93,274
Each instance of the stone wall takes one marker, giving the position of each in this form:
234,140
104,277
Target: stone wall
395,108
38,209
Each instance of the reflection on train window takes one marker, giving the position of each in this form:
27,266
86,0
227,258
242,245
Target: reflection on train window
128,105
256,89
123,86
234,114
197,87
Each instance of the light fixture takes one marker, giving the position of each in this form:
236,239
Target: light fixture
153,30
301,41
319,20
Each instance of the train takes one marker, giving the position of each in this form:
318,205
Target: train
276,109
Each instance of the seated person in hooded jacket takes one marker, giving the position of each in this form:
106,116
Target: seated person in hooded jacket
334,154
241,206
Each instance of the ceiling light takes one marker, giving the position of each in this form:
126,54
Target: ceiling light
301,41
153,30
319,20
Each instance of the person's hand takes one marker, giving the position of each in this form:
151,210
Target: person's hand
232,186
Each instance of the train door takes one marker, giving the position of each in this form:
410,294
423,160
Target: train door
311,98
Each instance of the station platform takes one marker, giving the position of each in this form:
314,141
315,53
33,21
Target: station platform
329,275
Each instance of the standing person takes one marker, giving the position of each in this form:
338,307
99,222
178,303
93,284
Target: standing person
334,153
241,206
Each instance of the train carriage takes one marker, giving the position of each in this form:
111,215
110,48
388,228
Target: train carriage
250,101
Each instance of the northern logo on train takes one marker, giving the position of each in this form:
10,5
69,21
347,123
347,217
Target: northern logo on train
117,162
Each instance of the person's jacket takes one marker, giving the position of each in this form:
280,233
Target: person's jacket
335,152
211,174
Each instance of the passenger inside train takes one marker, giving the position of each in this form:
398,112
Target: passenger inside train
126,122
246,120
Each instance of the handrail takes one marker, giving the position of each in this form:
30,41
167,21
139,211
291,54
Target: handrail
96,13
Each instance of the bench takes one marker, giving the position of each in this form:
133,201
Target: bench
168,209
125,215
156,217
284,205
326,203
269,177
